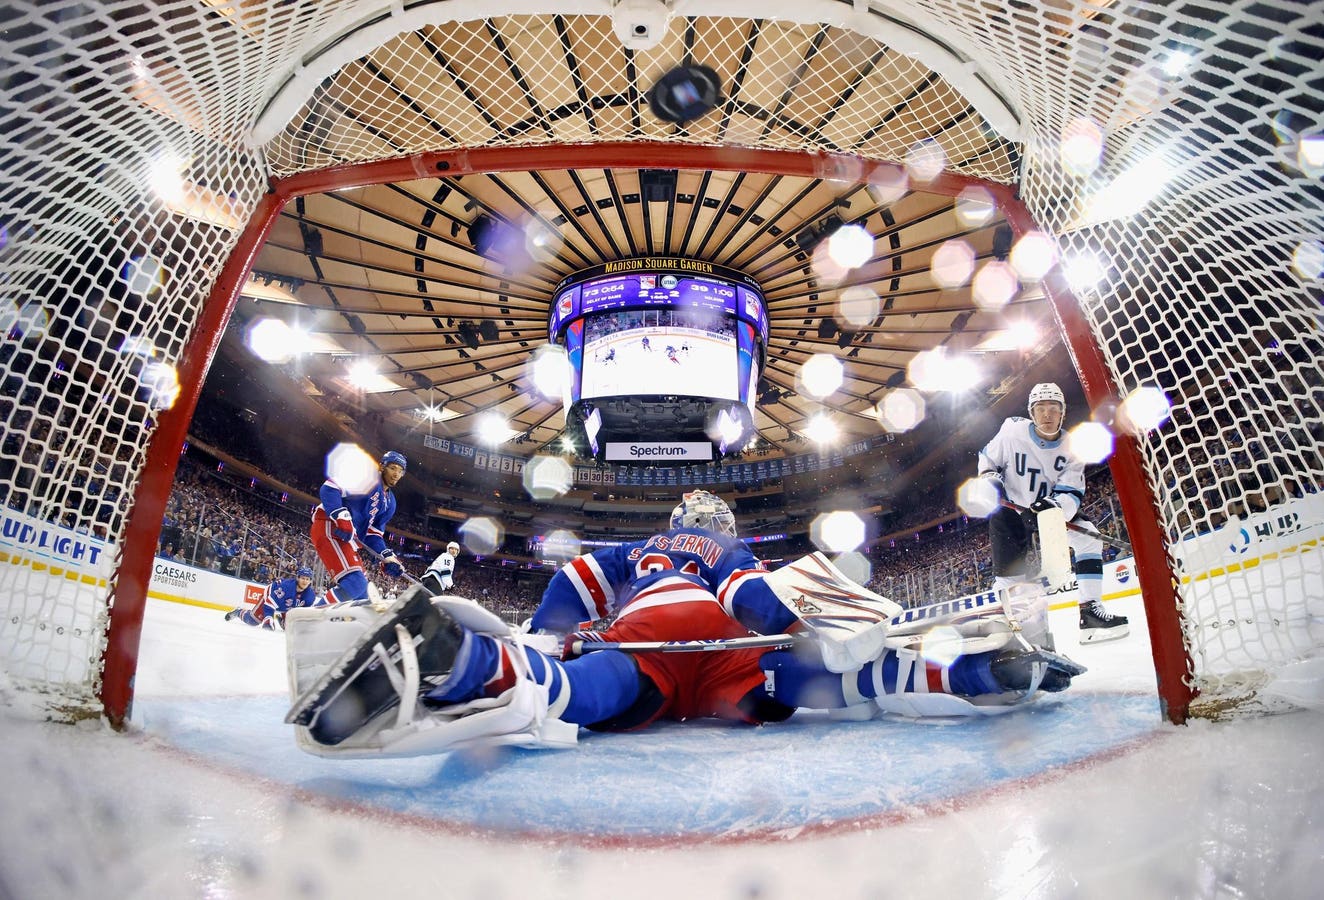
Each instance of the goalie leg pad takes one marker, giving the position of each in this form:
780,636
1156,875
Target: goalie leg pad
364,682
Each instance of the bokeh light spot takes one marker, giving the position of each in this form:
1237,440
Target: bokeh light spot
481,535
820,375
994,286
1090,442
546,477
952,264
837,531
978,498
900,410
352,468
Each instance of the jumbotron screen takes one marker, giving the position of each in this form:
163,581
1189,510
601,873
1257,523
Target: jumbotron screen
656,345
661,328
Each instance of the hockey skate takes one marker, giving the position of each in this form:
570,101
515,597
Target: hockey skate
1014,670
411,650
1097,624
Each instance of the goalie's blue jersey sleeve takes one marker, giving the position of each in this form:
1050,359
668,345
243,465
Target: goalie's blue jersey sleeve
596,585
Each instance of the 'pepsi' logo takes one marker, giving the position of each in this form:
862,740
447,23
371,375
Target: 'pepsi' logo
1123,574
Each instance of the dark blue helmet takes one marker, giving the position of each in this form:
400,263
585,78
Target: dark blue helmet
394,456
304,572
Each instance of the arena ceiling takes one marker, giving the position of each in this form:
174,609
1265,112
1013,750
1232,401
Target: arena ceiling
388,273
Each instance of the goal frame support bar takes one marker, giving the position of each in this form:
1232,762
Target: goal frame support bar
136,552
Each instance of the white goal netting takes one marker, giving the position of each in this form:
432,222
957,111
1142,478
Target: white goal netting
1173,151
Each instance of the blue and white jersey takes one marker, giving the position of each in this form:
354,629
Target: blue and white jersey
1031,467
370,511
284,595
596,585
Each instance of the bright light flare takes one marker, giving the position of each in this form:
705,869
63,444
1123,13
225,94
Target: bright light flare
821,374
1082,147
821,429
952,264
550,371
942,645
166,177
1131,191
900,410
926,161
1144,409
934,371
561,546
494,428
546,477
1033,256
994,286
888,186
855,566
975,206
1083,270
162,383
270,340
850,246
1310,152
144,276
1308,260
352,469
837,531
482,535
857,307
1177,61
1090,442
28,321
362,374
978,498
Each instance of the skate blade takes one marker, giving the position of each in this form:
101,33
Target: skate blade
1100,635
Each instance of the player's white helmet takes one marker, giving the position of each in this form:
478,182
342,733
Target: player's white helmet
1046,391
700,509
453,548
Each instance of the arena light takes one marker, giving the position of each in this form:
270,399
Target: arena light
1081,147
269,339
1033,256
1083,270
935,371
1131,191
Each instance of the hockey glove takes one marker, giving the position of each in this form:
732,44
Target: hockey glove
1042,504
996,480
342,525
390,565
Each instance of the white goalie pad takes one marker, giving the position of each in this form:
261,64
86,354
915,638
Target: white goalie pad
848,621
950,706
317,638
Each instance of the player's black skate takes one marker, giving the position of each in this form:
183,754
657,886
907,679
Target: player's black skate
369,677
1097,624
1014,669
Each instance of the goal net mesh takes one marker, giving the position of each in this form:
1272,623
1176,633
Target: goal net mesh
1172,152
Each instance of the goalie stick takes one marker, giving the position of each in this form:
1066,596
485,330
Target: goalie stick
1104,536
908,623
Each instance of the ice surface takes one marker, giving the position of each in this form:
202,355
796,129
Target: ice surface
1086,794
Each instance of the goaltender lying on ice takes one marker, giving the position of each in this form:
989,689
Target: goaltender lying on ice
431,674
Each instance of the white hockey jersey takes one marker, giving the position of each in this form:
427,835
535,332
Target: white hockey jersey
1031,467
444,568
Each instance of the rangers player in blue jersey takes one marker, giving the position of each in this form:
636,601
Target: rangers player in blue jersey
467,680
344,521
281,596
1029,464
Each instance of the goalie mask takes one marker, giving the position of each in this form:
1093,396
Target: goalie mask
700,509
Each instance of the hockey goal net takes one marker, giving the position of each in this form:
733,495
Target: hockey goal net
1173,153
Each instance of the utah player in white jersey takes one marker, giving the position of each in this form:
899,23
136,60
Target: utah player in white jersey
1028,462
